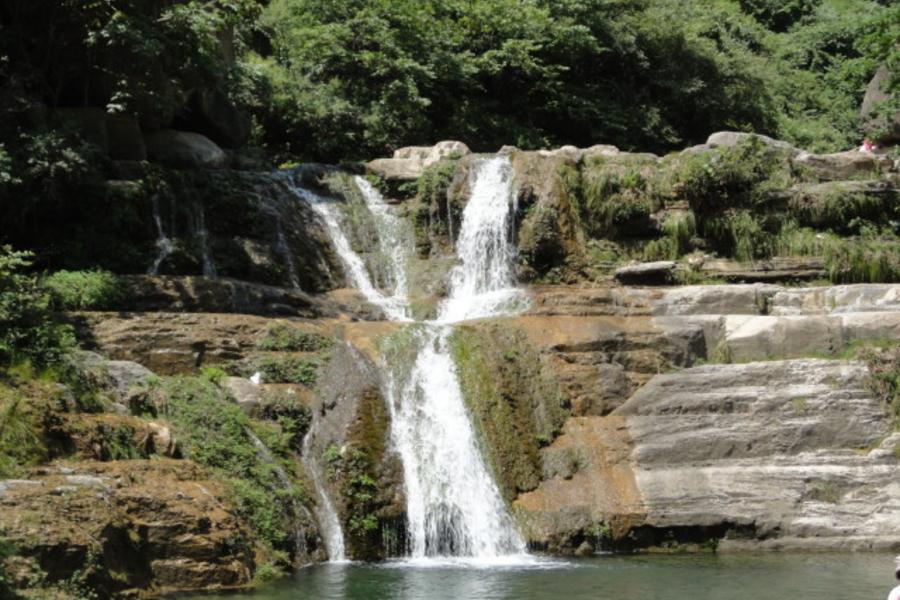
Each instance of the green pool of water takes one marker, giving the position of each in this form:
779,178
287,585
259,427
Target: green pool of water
681,577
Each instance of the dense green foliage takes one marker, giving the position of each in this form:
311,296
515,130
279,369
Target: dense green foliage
650,74
281,337
27,327
216,433
83,290
336,80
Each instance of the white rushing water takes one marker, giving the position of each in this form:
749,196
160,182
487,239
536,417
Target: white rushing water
209,265
164,246
393,243
395,306
483,283
454,507
329,522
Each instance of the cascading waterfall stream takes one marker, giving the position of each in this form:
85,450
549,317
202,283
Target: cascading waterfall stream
164,245
392,241
209,266
454,508
330,524
394,306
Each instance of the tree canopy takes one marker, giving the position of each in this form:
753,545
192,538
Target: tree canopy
332,80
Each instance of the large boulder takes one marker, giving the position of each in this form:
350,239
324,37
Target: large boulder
843,165
724,139
184,149
876,94
409,162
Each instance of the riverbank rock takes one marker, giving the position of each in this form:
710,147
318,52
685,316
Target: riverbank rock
131,527
651,273
757,455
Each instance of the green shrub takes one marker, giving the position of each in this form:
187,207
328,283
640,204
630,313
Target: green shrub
679,230
841,211
614,200
739,176
293,417
215,432
21,444
214,375
83,290
282,369
27,328
284,338
871,257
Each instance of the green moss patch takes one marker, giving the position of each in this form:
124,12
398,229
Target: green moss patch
516,405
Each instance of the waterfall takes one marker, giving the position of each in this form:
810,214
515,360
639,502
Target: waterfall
209,266
482,284
274,210
164,245
395,307
454,507
393,241
329,522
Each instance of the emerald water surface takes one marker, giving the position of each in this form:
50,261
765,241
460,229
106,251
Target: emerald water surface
650,577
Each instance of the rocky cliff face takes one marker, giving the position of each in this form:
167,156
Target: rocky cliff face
615,413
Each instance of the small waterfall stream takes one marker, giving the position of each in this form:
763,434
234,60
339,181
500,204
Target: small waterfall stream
296,506
329,522
394,306
209,265
454,507
164,246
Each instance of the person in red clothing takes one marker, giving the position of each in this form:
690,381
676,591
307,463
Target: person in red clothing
867,146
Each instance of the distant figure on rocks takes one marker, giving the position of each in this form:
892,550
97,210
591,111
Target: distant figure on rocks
895,593
867,146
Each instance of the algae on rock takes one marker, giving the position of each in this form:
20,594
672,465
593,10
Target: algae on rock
515,403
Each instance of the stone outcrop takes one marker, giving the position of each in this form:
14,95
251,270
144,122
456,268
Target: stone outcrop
790,453
408,163
652,273
843,165
210,112
204,294
157,526
759,454
767,451
184,149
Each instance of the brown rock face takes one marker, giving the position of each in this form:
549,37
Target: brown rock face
133,526
589,484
